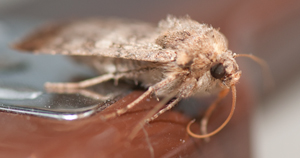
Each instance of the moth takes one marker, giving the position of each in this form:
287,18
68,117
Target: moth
177,59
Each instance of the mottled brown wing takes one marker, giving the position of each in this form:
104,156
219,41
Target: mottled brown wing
116,38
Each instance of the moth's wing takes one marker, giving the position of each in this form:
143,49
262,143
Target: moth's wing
116,38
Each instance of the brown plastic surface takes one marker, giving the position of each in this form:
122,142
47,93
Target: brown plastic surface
31,136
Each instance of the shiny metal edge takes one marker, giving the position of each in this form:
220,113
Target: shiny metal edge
48,113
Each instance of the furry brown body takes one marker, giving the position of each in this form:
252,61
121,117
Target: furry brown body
179,58
195,48
182,49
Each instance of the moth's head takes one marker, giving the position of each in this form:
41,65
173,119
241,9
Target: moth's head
226,71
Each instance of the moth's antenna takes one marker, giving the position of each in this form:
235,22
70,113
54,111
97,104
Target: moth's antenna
268,78
233,90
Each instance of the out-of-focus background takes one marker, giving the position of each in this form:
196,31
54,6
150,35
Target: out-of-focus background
268,29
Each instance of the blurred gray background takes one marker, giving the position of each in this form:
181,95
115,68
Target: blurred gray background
266,28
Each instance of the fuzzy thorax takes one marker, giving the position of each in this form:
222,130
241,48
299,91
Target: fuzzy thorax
199,47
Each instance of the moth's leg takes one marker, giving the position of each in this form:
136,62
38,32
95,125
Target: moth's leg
129,106
188,88
84,92
150,90
89,82
212,107
81,84
168,107
156,108
95,95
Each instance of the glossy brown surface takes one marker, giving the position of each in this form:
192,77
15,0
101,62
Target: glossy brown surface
31,136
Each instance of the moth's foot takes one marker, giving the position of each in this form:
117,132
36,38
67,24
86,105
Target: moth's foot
61,86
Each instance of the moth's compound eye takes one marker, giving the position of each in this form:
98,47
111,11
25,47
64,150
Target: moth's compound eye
218,71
